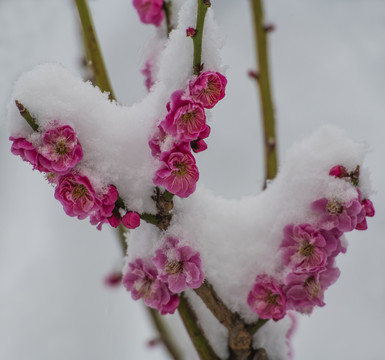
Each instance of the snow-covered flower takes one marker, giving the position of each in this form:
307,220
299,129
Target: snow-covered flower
186,119
178,173
304,249
208,88
267,298
60,150
77,195
180,266
304,291
338,171
108,200
141,279
336,214
150,11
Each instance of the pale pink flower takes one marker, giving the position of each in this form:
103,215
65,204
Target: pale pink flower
131,220
304,249
267,298
142,281
108,200
336,214
150,11
208,88
77,195
178,173
186,119
60,150
179,266
27,152
304,291
147,72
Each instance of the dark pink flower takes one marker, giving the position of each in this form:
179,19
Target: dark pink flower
179,266
115,219
142,281
178,173
208,88
304,248
338,171
159,139
27,152
367,210
304,291
190,32
335,214
131,220
77,195
114,279
267,298
60,150
108,201
150,11
186,119
199,144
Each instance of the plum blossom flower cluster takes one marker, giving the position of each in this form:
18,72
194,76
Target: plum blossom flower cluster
183,131
57,153
159,280
308,253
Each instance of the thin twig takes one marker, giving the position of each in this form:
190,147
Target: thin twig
27,116
164,333
270,140
93,49
203,5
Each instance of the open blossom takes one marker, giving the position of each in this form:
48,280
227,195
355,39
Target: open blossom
304,291
304,249
208,88
108,200
180,266
186,119
142,281
60,150
178,173
77,195
27,152
150,11
336,214
267,298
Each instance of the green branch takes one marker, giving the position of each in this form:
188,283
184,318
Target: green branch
253,328
167,8
270,140
27,116
189,318
93,49
203,5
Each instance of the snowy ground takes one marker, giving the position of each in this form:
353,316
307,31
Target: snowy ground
327,64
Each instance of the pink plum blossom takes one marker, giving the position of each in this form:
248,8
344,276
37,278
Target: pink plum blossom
147,72
304,249
27,152
336,214
199,144
108,200
186,119
131,220
338,171
60,150
77,195
150,11
208,88
179,266
367,210
141,279
158,140
267,298
115,219
304,291
178,173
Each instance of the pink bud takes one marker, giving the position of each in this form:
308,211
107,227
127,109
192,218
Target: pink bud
190,32
338,171
114,279
131,220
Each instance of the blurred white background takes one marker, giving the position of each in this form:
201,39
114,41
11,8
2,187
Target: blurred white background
327,60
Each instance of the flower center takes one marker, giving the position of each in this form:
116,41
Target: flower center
306,249
174,267
333,207
61,148
182,169
145,289
272,298
79,191
313,288
188,117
